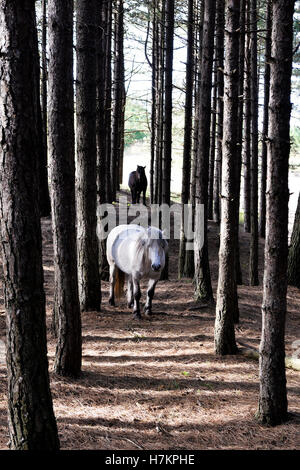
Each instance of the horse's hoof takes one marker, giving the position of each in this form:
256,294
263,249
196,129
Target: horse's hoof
137,316
111,302
130,304
148,312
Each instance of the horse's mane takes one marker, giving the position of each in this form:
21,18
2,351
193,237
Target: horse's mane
140,246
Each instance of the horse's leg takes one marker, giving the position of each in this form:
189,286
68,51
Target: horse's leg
137,197
129,292
144,197
136,297
133,196
150,294
112,280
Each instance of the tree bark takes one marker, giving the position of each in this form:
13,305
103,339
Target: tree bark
62,168
41,139
203,288
87,241
263,185
272,408
227,303
220,107
32,423
118,99
187,144
253,260
247,123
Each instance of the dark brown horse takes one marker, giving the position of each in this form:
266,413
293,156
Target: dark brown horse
138,184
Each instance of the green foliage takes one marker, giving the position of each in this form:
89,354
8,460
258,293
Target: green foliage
136,124
295,141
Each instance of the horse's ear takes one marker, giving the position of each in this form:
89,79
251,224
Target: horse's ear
145,166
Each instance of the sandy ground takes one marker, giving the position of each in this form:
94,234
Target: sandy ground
156,384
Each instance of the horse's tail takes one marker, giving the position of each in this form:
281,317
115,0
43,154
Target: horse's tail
119,284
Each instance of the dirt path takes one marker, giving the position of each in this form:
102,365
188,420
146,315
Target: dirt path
157,384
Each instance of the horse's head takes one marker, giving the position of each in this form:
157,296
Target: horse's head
140,172
157,248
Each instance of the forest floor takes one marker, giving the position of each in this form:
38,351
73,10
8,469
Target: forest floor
157,384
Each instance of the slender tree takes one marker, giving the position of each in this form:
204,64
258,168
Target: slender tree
240,138
167,115
187,144
227,304
44,70
253,260
247,122
189,268
273,397
86,197
62,168
118,99
32,423
263,184
41,138
220,107
203,288
212,151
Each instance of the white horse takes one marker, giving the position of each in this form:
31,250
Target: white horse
138,253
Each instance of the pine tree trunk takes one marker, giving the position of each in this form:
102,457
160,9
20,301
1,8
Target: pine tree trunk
189,266
240,137
273,396
102,168
108,96
220,106
187,144
253,261
86,197
118,99
203,288
167,117
32,423
41,139
294,251
262,211
44,71
247,123
62,168
212,152
227,303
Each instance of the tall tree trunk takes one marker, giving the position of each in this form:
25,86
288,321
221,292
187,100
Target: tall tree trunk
103,170
247,123
87,244
262,211
108,95
253,261
212,152
294,251
240,137
187,144
167,117
41,139
44,71
220,107
32,423
189,266
118,99
227,304
62,168
203,288
273,397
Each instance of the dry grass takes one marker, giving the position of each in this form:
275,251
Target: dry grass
157,384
